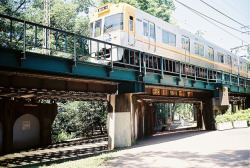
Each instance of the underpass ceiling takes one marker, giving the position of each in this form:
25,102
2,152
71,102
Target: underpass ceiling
15,85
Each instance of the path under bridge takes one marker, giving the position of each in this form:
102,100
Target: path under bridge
32,74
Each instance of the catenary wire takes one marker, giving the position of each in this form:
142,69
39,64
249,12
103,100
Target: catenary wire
195,11
223,13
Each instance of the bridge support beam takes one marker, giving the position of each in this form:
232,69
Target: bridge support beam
129,119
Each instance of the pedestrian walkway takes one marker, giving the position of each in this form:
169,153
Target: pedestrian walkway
186,149
177,125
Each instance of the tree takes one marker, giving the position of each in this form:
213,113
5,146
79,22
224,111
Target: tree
159,8
78,119
199,33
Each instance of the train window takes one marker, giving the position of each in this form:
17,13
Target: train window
235,63
131,23
165,37
220,57
168,38
145,28
172,39
152,31
199,49
91,29
98,27
241,66
113,22
210,53
229,60
185,43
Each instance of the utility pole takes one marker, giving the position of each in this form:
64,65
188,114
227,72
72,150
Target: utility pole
46,32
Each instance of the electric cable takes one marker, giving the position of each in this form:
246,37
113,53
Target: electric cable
197,12
223,13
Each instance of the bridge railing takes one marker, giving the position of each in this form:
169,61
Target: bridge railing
32,37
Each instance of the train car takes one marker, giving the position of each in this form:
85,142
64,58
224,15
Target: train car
125,25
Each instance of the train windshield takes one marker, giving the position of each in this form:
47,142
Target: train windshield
113,22
98,28
91,29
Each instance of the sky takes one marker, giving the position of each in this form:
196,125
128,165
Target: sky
238,10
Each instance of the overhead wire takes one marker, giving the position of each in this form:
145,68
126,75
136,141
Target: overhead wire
223,29
236,10
190,25
222,13
197,12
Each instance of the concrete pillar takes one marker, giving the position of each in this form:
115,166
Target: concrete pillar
1,137
129,119
208,116
194,113
247,102
119,121
200,121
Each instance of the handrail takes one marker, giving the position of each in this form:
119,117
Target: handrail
156,65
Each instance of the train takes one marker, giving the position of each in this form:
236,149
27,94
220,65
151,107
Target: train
125,25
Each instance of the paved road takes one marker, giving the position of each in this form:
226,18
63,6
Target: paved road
196,149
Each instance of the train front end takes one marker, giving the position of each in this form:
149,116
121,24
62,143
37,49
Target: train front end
108,24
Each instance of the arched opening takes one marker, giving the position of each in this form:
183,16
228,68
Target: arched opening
1,137
26,132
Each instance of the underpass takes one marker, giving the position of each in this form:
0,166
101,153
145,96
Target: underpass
31,84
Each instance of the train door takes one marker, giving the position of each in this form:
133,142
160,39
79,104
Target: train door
186,47
152,42
131,30
146,44
229,62
149,36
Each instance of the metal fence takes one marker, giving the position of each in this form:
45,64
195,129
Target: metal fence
32,37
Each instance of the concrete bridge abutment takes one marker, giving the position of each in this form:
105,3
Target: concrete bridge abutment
129,119
25,124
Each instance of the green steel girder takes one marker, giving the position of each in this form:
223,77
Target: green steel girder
133,81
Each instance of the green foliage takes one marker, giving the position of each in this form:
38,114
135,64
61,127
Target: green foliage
159,8
63,136
223,118
228,117
63,14
184,109
78,119
239,117
247,114
199,33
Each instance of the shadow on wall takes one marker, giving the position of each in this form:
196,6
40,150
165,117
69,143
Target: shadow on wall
1,137
26,132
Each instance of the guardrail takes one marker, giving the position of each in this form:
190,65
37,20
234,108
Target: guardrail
32,37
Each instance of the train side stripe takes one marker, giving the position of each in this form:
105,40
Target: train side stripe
193,56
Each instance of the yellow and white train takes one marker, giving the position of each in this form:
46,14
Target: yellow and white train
125,25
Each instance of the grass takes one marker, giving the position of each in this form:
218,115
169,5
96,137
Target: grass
91,162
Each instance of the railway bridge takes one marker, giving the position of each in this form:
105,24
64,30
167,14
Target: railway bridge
35,72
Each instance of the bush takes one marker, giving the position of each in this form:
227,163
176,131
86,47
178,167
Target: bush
239,117
223,118
62,137
246,113
227,117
